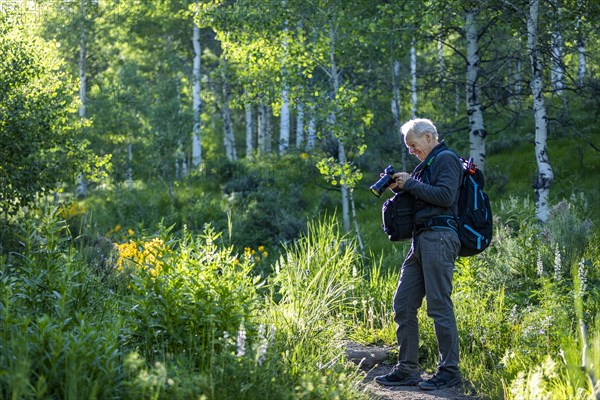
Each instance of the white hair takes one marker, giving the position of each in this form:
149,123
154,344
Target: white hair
419,127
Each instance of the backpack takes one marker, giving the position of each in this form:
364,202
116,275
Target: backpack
474,218
475,226
398,216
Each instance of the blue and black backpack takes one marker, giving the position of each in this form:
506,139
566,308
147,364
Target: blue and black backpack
475,226
474,218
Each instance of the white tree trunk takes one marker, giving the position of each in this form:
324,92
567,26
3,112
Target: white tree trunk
413,81
441,60
284,128
311,130
396,98
262,129
268,129
477,132
396,107
557,72
580,48
457,100
81,188
545,174
299,125
196,102
249,145
284,112
184,163
180,163
82,57
228,136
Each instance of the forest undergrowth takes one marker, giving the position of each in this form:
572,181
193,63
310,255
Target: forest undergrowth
165,314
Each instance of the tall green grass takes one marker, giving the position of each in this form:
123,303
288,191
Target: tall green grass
312,294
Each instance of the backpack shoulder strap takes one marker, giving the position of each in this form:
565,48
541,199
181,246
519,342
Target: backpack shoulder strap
425,171
448,151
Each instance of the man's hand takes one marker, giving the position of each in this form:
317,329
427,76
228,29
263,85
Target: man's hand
400,178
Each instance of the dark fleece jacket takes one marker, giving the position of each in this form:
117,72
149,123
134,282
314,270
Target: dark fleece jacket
435,184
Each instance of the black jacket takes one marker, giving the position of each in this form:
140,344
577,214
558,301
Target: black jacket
436,186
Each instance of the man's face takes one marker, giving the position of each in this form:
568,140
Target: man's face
420,147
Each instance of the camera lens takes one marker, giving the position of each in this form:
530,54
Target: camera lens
383,183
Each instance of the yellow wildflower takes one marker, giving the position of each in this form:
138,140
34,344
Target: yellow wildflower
146,257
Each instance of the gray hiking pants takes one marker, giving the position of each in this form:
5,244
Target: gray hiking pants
427,272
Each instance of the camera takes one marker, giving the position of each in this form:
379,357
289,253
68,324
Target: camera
384,182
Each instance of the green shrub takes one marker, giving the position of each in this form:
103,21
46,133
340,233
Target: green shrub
190,294
58,328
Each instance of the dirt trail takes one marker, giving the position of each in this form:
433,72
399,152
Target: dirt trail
373,362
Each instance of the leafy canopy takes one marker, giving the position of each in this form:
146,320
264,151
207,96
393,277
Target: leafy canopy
40,143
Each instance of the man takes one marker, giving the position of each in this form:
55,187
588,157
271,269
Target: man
428,268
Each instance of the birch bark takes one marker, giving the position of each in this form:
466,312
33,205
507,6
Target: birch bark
284,128
268,129
413,82
441,59
545,174
228,136
262,130
557,72
248,115
580,48
396,107
457,100
82,57
196,102
81,189
477,132
396,97
284,113
299,125
311,130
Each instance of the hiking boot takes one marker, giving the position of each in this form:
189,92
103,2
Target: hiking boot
396,377
441,380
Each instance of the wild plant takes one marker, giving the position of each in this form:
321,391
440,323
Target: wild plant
569,233
547,296
311,293
188,292
372,316
58,333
